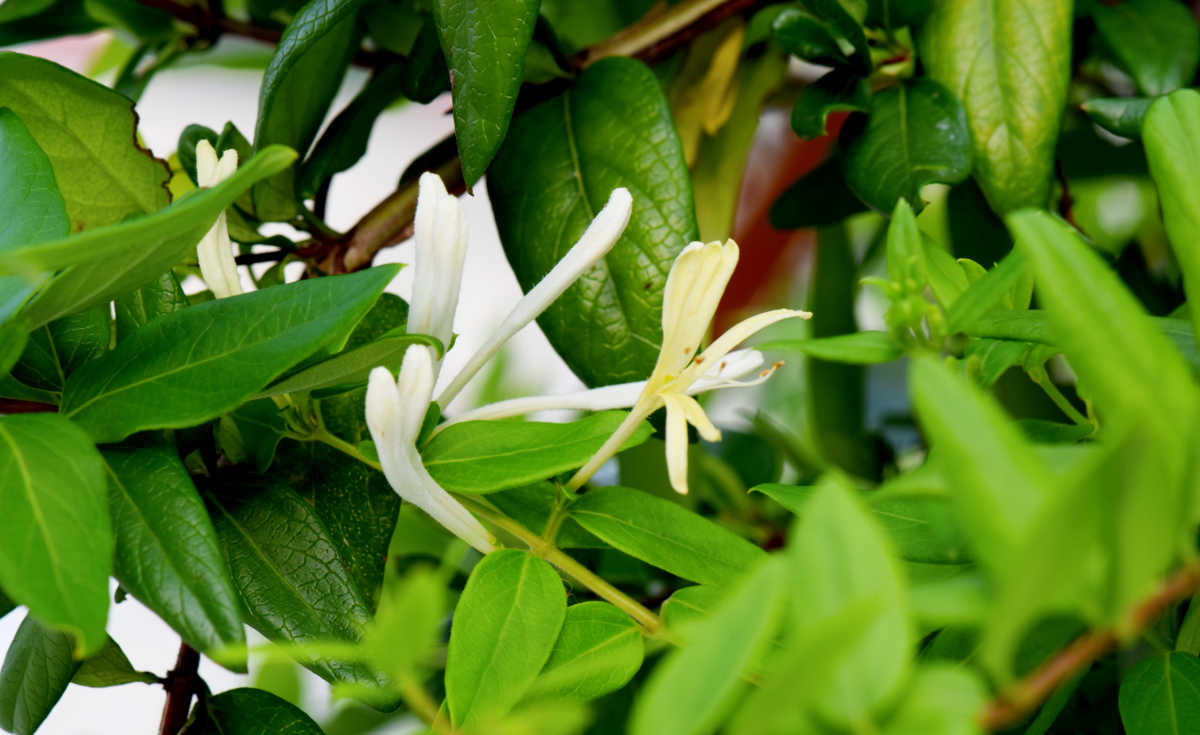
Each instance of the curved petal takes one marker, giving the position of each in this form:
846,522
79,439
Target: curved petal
694,288
414,386
739,333
622,395
677,444
440,234
412,482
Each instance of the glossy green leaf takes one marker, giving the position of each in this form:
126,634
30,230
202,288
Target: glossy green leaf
1156,41
1161,695
504,630
916,134
351,367
152,379
88,132
841,558
999,481
818,199
806,36
1009,62
486,456
297,88
57,349
37,668
56,552
598,650
31,210
485,42
1119,115
942,700
260,426
167,554
859,348
293,583
110,667
139,306
834,92
249,711
662,533
845,18
556,169
165,238
694,686
1172,153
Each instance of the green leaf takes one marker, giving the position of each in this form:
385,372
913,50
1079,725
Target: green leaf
692,603
248,711
109,668
1009,61
834,92
36,671
13,338
61,347
556,169
193,365
406,629
504,630
31,210
1156,41
138,307
987,293
892,14
848,25
88,132
168,555
292,580
261,427
598,651
662,533
859,348
16,9
841,558
350,367
1118,115
818,199
1161,695
999,481
1172,152
694,686
56,548
486,456
942,700
104,268
297,88
916,134
804,35
485,42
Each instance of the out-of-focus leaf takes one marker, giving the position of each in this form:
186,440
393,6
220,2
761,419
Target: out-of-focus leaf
1156,41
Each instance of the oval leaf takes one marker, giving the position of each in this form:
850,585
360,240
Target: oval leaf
55,538
150,380
557,166
598,650
168,555
662,533
37,669
504,630
249,711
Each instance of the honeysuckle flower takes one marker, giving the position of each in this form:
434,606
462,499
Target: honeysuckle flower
594,244
440,232
395,411
215,250
695,285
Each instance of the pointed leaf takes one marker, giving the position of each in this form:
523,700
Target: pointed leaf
598,650
109,668
250,712
1161,695
36,671
859,348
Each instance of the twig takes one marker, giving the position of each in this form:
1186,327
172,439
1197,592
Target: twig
16,405
652,38
181,684
1026,695
1066,202
270,256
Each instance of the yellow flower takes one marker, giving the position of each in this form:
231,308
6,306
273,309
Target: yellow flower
694,288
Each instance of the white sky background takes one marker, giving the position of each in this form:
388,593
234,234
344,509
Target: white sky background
211,96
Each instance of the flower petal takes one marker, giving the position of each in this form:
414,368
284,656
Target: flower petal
695,416
622,395
414,386
694,288
677,444
412,482
440,234
594,244
206,164
739,333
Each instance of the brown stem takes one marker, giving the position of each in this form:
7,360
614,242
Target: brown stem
181,683
658,34
1066,202
16,405
1021,699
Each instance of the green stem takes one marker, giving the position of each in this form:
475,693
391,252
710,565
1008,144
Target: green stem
324,436
422,705
1042,378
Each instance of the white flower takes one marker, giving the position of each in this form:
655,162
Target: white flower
395,411
215,250
694,288
440,232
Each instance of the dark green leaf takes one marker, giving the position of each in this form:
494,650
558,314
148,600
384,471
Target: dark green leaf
859,348
504,630
106,268
250,712
1161,695
16,9
485,42
661,533
168,555
261,427
1119,115
55,538
138,307
916,134
87,130
1009,61
834,92
152,379
847,25
896,13
559,163
37,669
1156,41
297,89
818,199
109,668
486,456
804,35
598,650
350,368
59,348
